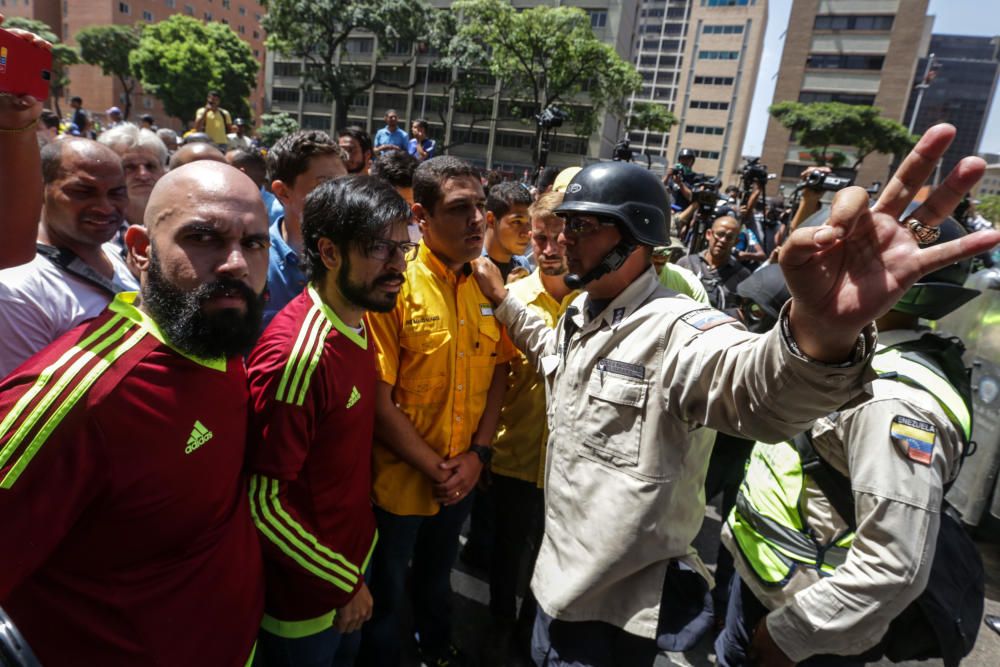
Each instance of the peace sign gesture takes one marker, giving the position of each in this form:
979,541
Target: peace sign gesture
855,268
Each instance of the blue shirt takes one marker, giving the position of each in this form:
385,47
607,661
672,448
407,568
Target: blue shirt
387,136
427,145
285,277
273,205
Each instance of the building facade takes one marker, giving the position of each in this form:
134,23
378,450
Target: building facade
850,51
959,90
699,59
486,131
100,92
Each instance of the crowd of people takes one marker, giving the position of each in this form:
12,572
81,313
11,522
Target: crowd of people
249,404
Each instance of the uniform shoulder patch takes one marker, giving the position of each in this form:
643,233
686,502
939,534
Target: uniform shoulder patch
704,319
915,436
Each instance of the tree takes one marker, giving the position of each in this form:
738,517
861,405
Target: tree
274,126
650,117
820,125
109,47
180,59
63,55
545,56
318,31
989,208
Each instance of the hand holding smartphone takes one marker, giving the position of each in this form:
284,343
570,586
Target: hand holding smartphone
25,65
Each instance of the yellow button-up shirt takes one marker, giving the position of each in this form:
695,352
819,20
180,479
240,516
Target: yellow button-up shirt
519,446
437,348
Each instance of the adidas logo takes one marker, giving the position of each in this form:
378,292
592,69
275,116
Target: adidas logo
355,397
199,436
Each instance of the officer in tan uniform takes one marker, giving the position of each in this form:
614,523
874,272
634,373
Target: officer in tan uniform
807,583
633,370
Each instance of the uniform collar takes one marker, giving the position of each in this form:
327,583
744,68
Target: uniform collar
899,336
124,304
426,257
621,307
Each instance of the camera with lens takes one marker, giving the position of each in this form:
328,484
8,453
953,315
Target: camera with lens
753,172
705,192
819,180
550,118
622,151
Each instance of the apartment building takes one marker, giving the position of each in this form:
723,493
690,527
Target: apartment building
99,92
699,59
484,132
850,51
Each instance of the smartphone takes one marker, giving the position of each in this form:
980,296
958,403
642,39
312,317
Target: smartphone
25,68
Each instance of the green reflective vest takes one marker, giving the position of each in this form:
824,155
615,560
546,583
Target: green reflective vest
767,522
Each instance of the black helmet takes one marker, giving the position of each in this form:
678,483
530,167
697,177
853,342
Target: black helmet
764,293
938,293
686,152
628,194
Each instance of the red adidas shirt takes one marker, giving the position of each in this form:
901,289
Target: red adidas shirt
124,526
312,382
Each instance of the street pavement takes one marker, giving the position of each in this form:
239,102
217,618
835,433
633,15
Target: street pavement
472,618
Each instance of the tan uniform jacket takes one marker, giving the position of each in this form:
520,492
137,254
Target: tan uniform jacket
626,459
897,508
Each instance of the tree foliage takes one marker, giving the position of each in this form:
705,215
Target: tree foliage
109,47
650,117
317,32
989,208
180,59
274,126
545,56
63,55
818,126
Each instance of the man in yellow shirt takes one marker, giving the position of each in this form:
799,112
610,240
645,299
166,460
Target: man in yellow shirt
442,361
518,465
214,120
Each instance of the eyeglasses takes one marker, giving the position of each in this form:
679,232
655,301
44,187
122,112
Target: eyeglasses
384,249
581,226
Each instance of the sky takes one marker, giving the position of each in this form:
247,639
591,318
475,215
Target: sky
954,17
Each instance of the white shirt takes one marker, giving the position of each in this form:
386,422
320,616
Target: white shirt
39,302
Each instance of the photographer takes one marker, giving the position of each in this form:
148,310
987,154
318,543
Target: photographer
681,178
716,267
811,188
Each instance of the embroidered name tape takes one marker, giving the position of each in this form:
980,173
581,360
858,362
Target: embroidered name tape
706,318
621,368
916,436
486,309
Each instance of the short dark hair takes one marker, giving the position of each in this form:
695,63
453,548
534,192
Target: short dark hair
52,161
77,99
421,123
353,210
241,157
397,167
49,118
289,158
429,176
505,196
359,135
147,117
214,93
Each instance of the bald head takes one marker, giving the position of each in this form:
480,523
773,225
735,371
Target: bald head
188,187
722,237
194,152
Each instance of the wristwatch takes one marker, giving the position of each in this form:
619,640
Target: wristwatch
484,453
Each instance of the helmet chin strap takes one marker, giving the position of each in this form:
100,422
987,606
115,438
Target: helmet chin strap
611,262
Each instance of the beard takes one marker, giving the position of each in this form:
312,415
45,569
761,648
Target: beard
364,295
552,270
179,314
